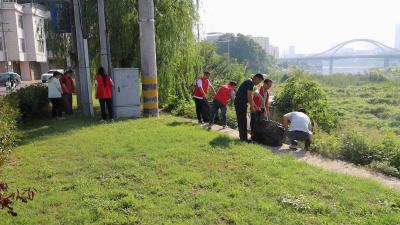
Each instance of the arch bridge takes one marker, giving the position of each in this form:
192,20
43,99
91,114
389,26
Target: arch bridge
383,52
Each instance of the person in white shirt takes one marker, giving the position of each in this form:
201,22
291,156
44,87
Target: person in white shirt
55,95
299,129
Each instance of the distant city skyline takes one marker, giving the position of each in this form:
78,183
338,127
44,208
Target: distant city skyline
310,25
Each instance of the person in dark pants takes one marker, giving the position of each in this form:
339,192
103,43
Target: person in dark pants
299,129
68,87
221,99
55,95
200,97
104,85
244,96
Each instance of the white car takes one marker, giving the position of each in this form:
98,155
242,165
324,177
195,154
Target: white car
45,77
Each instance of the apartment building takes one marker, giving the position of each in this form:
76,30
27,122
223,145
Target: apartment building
22,37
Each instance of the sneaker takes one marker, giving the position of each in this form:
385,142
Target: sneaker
223,127
293,147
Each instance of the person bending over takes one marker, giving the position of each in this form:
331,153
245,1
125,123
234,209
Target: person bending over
299,129
221,99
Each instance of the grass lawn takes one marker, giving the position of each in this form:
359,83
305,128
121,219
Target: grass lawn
169,171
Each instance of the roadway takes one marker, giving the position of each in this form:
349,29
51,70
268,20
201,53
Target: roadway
22,85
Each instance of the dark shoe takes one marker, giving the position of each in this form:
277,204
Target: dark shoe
293,148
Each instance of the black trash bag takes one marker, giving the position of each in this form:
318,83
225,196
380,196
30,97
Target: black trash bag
217,119
206,111
268,132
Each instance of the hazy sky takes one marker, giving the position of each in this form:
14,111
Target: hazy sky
310,25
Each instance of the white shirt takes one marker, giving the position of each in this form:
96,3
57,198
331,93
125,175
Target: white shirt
299,122
199,84
54,88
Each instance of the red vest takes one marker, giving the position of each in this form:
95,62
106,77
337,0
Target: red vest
103,91
223,94
257,100
197,91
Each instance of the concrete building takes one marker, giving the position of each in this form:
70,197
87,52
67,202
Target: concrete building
397,38
23,49
213,37
263,42
274,51
266,45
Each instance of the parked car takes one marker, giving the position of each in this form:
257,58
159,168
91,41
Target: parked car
45,77
5,76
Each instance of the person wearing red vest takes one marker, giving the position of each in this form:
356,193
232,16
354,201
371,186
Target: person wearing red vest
68,88
103,87
200,97
221,99
261,102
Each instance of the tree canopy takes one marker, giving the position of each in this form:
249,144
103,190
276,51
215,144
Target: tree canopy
245,50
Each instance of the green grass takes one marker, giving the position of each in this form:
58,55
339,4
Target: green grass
169,171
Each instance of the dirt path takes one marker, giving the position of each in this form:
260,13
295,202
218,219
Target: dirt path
328,164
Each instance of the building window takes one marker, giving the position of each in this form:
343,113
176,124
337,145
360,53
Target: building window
1,43
20,22
22,45
40,45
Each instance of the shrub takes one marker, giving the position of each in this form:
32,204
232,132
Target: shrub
31,101
325,144
386,168
395,160
305,93
8,128
355,148
387,147
185,108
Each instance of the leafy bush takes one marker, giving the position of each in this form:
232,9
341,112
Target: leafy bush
325,144
305,93
180,107
185,108
32,101
355,148
8,128
386,168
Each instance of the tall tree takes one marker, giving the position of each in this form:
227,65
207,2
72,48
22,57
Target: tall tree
177,56
245,50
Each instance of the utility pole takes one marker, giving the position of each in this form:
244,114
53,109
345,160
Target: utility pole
103,36
83,62
74,56
148,58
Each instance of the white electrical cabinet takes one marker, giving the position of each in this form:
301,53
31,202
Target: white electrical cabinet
126,98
